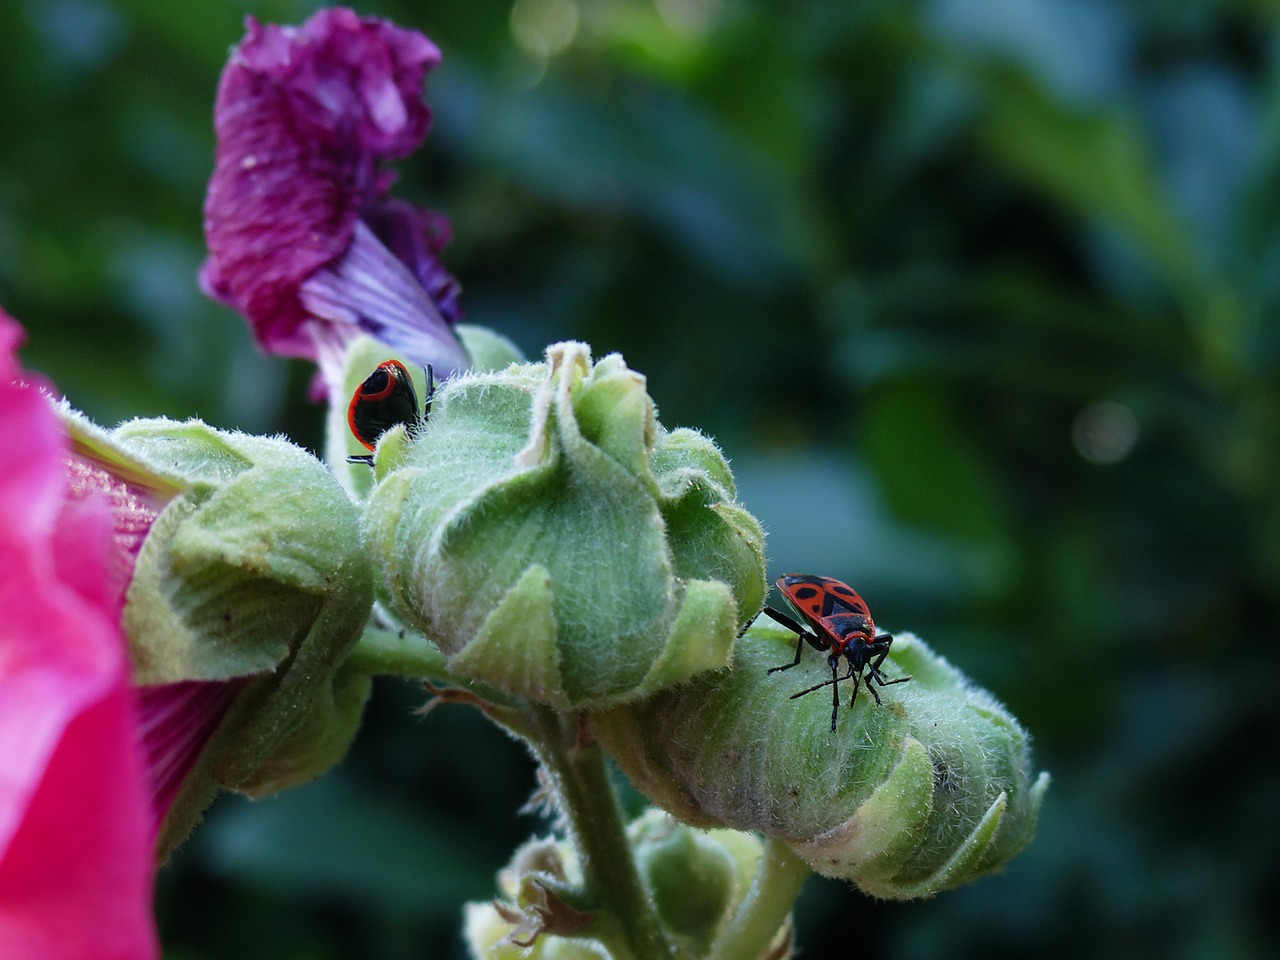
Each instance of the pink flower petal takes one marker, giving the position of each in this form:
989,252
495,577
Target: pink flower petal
177,720
75,840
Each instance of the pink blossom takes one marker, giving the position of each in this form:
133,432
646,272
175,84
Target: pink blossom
303,237
76,825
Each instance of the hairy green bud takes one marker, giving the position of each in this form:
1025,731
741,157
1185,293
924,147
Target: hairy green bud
252,580
320,738
558,543
924,792
697,881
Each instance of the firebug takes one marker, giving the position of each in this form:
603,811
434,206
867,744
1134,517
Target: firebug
836,620
385,398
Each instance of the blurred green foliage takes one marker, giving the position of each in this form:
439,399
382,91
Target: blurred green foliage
980,296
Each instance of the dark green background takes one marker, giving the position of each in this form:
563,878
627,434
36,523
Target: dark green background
892,255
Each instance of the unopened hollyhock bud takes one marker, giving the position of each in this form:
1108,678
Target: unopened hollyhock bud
321,737
926,791
696,879
557,542
248,589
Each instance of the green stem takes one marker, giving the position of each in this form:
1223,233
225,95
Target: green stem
397,653
409,655
585,794
764,909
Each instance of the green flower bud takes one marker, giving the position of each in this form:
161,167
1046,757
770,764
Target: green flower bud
532,921
256,563
697,879
922,793
252,579
558,543
320,739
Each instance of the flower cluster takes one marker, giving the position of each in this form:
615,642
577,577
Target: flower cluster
188,609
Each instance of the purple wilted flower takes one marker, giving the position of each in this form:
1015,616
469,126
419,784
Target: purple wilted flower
304,239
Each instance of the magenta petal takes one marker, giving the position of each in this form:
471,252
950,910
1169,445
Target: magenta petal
306,118
177,720
132,511
75,879
75,841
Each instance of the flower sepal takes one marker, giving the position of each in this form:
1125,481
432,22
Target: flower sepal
488,349
248,591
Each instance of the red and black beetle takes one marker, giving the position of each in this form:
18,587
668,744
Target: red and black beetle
837,620
385,398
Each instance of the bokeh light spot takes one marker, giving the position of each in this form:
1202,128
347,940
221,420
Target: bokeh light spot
1105,432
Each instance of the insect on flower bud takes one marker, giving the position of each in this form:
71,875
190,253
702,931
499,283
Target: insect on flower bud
387,396
923,792
557,542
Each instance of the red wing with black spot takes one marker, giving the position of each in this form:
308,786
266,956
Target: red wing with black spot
385,398
831,606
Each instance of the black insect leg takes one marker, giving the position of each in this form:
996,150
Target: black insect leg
431,391
870,689
816,686
803,636
874,666
835,690
834,684
882,681
788,666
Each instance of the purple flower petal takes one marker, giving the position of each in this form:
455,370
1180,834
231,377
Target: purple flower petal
368,290
417,238
306,118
